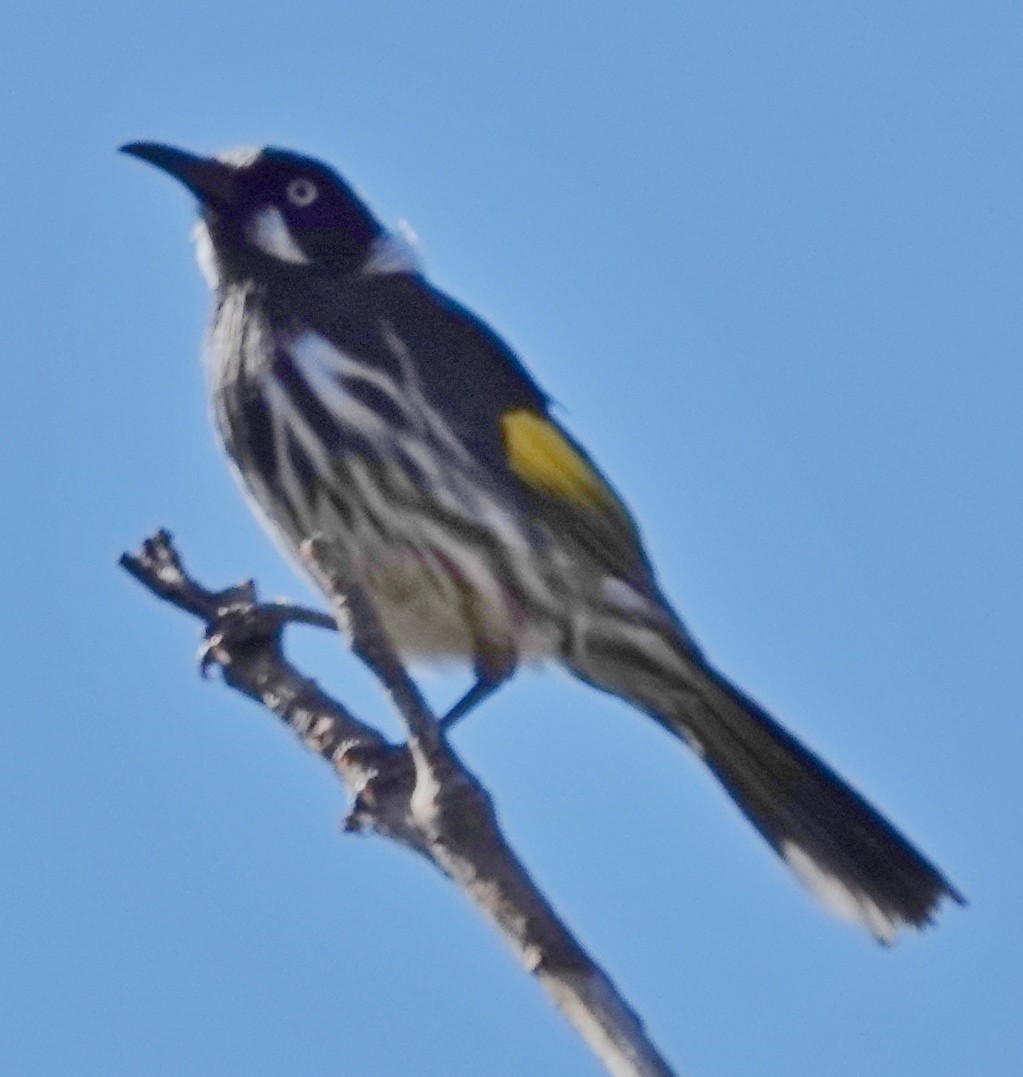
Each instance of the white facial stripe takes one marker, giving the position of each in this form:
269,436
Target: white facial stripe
268,231
395,252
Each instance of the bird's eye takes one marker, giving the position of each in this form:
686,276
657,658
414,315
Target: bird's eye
302,192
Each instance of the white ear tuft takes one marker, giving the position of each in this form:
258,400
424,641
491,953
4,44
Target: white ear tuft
395,252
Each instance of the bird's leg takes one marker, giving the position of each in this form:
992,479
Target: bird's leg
494,666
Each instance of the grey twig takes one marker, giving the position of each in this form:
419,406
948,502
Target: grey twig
420,794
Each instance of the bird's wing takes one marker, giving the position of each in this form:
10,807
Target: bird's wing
505,418
571,498
494,408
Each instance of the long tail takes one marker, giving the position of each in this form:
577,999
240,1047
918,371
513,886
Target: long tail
844,850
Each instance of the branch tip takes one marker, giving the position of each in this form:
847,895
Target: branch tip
419,795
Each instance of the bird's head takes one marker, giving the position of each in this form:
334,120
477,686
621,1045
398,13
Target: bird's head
266,209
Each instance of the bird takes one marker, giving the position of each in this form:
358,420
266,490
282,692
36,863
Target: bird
387,435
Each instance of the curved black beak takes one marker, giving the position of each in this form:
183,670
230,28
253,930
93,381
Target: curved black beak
207,178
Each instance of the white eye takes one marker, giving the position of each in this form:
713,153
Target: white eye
302,192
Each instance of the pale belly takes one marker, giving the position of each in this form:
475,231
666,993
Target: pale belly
430,610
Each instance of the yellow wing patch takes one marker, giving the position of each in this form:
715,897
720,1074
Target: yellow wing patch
542,457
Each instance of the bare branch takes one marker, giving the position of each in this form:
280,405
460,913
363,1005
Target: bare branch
420,795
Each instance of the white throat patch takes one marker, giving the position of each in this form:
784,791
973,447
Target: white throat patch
268,231
205,255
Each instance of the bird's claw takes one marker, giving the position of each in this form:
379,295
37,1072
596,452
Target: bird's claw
240,622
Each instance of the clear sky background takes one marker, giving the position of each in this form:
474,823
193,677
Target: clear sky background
768,258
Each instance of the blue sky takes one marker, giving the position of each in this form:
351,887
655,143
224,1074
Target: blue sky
768,259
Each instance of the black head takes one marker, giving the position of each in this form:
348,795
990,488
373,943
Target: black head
264,209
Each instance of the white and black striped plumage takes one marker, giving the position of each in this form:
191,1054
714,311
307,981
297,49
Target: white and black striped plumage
366,410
